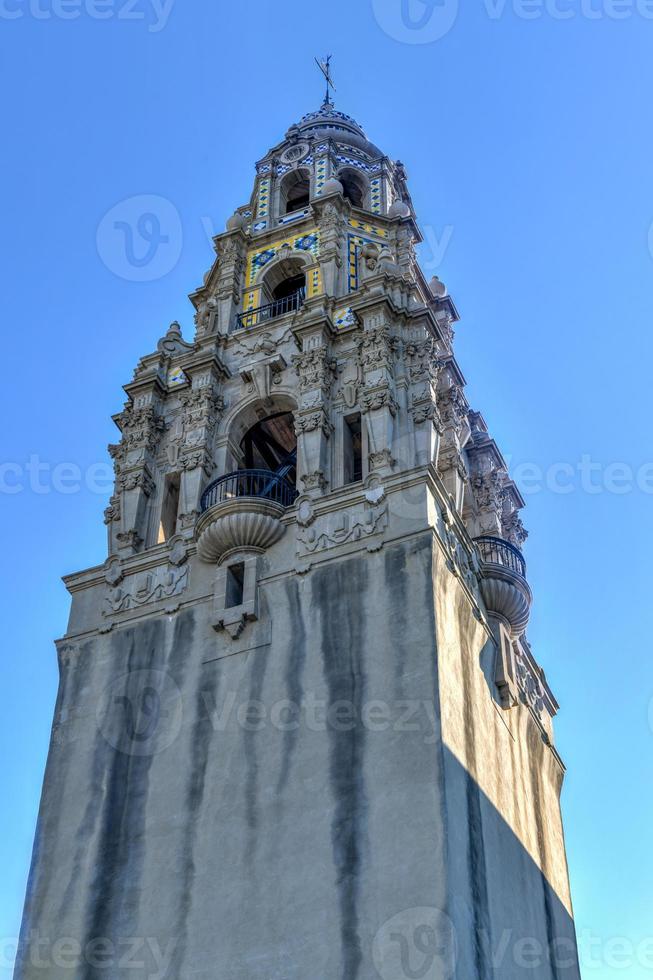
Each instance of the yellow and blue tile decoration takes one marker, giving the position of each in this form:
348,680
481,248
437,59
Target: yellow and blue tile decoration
252,299
320,175
308,242
356,242
375,195
287,219
314,285
176,377
344,317
375,230
263,199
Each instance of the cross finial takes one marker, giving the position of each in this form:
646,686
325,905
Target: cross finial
325,68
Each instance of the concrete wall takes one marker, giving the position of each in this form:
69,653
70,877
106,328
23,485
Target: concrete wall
196,821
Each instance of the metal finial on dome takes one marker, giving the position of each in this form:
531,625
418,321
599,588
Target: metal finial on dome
325,68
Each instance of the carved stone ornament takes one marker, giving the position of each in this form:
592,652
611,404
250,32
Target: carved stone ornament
113,574
452,407
487,489
141,429
376,348
377,398
529,684
315,369
239,524
343,527
305,511
514,530
137,479
177,550
129,539
112,512
311,422
173,342
314,481
381,459
295,153
145,587
424,412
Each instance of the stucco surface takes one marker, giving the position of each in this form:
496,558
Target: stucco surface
232,843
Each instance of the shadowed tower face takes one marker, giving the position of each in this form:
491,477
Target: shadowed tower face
300,731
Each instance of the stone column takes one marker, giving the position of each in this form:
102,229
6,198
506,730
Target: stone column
202,409
455,431
487,486
134,461
330,213
424,367
315,368
378,398
231,248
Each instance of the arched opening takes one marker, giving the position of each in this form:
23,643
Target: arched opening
354,186
262,458
270,446
289,286
284,286
295,191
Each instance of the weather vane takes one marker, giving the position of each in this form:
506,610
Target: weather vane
325,68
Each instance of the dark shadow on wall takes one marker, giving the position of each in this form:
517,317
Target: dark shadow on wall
508,920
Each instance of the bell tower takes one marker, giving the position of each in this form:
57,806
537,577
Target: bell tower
300,732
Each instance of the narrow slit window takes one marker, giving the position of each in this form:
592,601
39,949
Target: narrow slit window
353,449
169,508
235,585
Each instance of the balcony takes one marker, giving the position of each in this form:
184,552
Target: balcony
505,591
279,307
242,511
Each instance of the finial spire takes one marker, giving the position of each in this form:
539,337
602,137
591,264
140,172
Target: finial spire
325,68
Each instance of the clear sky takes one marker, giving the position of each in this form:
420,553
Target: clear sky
525,128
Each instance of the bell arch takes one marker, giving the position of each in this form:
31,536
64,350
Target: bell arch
286,275
355,186
294,191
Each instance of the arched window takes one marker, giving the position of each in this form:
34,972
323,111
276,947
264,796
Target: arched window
271,445
295,191
284,286
354,186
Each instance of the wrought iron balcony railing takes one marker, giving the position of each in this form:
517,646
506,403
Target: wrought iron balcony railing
252,318
249,483
496,551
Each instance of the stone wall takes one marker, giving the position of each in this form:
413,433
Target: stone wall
310,807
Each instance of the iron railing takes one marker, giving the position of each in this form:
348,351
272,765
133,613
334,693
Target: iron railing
496,551
249,483
252,318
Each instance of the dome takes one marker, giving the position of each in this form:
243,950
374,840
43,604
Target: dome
329,121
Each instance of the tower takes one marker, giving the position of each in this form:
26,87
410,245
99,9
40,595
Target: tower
300,732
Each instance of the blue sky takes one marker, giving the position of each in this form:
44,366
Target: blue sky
525,130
